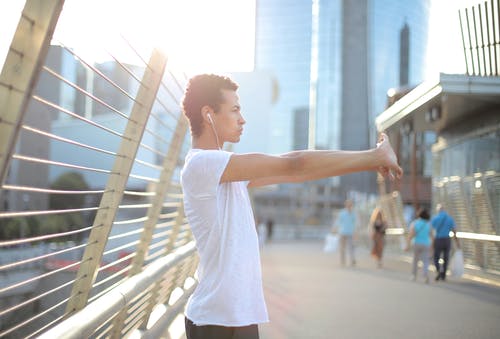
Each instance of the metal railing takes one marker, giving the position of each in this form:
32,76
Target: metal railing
91,205
474,203
93,237
479,25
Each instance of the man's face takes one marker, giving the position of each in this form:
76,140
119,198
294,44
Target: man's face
229,120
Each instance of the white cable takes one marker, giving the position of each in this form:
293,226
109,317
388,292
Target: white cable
215,132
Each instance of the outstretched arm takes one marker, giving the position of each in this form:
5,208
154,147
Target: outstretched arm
298,166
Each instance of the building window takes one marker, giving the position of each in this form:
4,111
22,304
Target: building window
476,155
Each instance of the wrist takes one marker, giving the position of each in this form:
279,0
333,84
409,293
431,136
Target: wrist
376,157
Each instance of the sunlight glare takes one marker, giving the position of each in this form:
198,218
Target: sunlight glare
196,35
445,53
9,17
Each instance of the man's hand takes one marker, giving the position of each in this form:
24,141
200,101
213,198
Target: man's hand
389,163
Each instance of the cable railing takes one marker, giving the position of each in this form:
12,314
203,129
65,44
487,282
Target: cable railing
474,203
480,37
90,194
93,237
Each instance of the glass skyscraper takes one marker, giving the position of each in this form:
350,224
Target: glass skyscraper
387,19
283,49
358,49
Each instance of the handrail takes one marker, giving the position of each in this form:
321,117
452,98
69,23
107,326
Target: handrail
84,322
395,231
477,236
461,235
166,319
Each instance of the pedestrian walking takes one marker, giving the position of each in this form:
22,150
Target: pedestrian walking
346,224
421,231
378,226
270,228
443,224
262,233
228,301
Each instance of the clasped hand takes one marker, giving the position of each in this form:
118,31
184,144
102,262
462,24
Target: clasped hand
388,161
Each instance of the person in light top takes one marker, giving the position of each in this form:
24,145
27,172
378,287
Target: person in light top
346,224
421,232
229,300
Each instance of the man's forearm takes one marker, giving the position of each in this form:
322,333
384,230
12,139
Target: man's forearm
314,165
311,165
299,166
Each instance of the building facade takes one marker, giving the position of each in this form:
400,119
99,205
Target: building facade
460,167
334,61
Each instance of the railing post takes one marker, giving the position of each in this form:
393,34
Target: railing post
169,164
460,210
117,181
21,70
398,205
489,203
155,292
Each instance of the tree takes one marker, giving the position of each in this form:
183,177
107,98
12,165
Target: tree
64,222
69,181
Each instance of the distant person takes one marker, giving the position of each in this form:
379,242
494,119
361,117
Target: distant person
228,301
378,226
443,224
345,224
270,226
262,233
421,230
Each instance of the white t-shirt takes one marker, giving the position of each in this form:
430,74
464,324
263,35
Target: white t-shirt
220,215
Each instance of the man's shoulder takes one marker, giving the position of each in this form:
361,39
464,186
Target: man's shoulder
205,165
205,157
437,217
450,219
445,215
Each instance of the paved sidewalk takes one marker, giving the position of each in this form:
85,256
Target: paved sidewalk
309,295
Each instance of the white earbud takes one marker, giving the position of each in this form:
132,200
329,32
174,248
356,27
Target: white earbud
213,129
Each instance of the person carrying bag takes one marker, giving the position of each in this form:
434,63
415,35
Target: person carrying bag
331,243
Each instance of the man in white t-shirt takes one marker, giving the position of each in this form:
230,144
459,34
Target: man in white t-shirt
229,300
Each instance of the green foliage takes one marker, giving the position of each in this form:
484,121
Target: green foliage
58,223
19,227
69,181
25,227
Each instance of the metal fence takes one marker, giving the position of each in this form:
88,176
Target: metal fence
479,26
474,203
90,155
93,238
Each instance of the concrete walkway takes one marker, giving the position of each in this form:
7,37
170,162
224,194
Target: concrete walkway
309,295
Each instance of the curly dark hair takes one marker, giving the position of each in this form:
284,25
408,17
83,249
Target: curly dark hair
204,90
422,213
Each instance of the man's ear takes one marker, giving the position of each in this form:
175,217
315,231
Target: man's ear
207,111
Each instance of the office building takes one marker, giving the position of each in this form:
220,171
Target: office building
345,55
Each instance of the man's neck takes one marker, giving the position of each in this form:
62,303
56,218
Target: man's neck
204,143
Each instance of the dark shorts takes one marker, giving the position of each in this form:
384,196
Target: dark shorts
220,332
